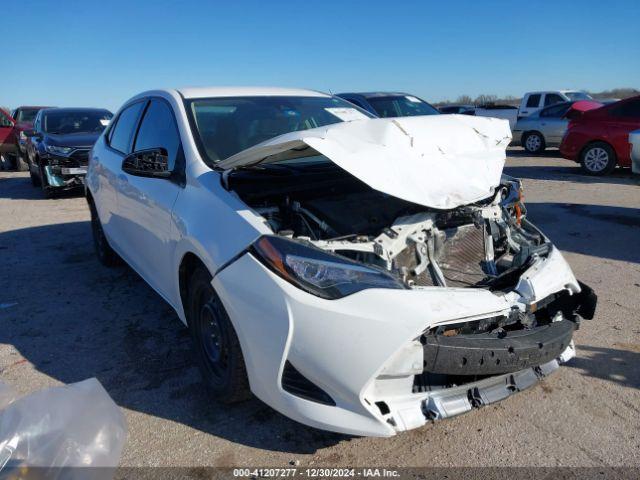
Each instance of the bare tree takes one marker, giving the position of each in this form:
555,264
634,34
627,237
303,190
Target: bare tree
464,100
485,99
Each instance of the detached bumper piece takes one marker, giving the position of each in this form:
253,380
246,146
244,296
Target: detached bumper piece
455,401
496,353
57,178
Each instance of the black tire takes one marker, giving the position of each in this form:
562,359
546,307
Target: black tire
35,176
35,179
533,142
598,158
34,173
21,164
47,190
217,349
106,255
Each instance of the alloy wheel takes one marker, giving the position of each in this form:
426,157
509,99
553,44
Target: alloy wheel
596,159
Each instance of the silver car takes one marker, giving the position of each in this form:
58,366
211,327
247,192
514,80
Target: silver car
542,129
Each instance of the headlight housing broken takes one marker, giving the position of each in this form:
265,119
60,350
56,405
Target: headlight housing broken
57,150
318,272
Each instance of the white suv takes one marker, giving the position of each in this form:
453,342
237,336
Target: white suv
362,275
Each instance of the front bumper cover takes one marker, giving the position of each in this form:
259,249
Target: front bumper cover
363,350
450,402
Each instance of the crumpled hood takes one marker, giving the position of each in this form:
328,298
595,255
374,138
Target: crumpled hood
439,161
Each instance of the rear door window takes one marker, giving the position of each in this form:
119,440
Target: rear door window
121,133
552,99
555,111
533,101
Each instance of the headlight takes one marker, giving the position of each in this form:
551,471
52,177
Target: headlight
318,272
63,151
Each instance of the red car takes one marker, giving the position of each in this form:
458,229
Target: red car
599,139
12,137
24,117
8,139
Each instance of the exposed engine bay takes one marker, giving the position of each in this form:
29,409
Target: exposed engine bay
484,245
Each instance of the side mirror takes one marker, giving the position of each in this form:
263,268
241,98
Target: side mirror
152,163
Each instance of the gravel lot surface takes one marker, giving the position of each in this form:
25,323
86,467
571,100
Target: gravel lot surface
65,318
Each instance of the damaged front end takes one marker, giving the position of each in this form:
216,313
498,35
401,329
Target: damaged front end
328,217
66,169
456,364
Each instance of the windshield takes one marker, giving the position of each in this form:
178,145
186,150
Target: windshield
76,121
228,125
401,106
575,96
26,115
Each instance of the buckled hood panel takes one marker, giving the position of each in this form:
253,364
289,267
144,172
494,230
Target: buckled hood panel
439,161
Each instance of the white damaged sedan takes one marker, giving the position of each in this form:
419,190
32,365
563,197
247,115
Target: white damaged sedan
357,274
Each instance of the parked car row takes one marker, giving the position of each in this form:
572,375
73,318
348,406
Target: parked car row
547,126
52,143
531,103
595,134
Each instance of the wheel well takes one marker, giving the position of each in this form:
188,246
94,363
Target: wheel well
593,142
189,263
529,132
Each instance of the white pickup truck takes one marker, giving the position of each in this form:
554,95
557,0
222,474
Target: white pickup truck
533,101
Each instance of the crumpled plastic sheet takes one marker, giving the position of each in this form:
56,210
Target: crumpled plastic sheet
62,433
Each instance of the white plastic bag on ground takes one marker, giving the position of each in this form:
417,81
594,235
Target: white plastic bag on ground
60,433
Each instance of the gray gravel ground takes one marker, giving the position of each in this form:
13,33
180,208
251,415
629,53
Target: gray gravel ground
73,319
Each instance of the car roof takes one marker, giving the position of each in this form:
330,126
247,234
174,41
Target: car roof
555,91
375,94
71,109
204,92
32,107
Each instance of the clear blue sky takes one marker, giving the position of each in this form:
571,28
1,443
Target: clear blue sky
101,52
